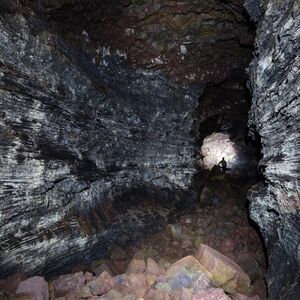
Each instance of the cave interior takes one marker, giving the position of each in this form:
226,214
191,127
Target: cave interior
131,146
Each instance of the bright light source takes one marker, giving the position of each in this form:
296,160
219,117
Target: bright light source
215,147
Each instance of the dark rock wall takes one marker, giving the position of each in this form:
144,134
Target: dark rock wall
75,135
275,115
98,109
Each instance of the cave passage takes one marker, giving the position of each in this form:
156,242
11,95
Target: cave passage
125,151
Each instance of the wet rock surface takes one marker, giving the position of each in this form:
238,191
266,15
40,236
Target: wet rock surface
274,79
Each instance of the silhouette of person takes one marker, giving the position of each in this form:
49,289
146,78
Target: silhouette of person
223,165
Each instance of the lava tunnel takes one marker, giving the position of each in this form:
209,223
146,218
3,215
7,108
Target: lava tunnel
149,149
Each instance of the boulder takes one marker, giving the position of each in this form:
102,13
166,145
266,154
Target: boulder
98,269
136,266
225,273
113,295
182,294
152,267
65,284
102,284
35,287
186,263
211,294
244,297
157,295
138,284
11,283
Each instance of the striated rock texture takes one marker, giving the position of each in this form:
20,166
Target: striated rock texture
97,129
275,115
75,135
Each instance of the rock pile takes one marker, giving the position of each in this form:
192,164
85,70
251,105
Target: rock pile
209,275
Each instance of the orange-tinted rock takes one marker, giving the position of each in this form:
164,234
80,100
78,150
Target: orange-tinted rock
211,294
36,287
65,284
224,271
136,266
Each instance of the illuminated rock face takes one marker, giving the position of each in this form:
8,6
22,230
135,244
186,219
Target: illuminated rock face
275,115
217,146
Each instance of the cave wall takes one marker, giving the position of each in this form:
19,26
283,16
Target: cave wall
98,103
73,137
275,116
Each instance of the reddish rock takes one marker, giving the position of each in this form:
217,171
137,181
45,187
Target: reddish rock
202,282
88,276
36,287
138,284
186,263
211,294
102,284
136,266
244,297
112,295
81,268
225,272
152,267
157,295
11,283
182,294
65,284
101,268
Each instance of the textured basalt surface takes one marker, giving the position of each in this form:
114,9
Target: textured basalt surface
74,136
98,131
275,115
198,41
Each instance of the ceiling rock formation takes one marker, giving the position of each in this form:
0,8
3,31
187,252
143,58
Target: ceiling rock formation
195,41
275,115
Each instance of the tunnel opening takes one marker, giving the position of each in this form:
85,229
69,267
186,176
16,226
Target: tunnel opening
173,102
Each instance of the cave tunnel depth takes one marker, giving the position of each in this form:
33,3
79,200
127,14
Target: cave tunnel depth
147,149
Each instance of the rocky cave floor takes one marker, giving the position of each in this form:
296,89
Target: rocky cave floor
192,258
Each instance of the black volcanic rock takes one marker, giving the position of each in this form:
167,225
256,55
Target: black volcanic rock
74,136
275,115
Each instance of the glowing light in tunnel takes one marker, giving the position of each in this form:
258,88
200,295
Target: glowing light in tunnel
215,147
